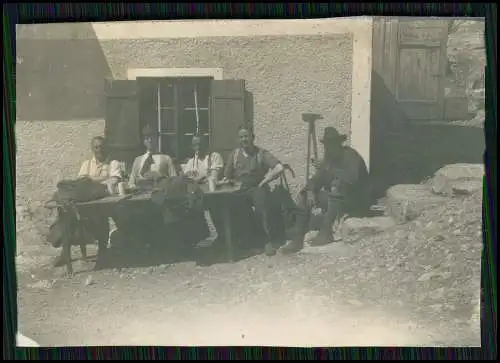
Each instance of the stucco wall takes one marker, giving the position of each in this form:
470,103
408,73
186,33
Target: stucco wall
288,75
291,67
48,151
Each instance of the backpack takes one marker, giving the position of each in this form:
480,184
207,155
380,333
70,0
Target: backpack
79,191
176,197
68,222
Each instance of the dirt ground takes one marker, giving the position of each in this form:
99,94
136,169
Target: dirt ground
404,287
259,301
415,285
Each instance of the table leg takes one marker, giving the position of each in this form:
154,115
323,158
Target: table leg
228,233
66,241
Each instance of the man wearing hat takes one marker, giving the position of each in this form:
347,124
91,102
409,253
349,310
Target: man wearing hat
152,164
331,188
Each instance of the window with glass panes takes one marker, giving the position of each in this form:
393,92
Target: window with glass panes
179,109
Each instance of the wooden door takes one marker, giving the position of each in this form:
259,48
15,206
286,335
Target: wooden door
420,68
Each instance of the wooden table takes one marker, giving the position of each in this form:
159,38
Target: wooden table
223,195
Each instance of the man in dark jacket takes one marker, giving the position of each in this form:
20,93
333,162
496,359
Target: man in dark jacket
336,188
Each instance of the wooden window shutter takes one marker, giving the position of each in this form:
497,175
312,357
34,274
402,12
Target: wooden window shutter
122,128
227,114
249,109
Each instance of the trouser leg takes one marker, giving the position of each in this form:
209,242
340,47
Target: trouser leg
301,215
99,227
260,201
195,228
332,205
241,213
218,221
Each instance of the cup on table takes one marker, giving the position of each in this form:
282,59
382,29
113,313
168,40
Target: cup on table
111,188
211,184
121,189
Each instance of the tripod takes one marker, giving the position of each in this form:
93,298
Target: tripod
312,142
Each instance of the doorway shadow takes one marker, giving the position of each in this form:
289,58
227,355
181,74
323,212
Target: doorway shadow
409,152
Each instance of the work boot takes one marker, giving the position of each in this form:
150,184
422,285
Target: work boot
292,246
325,235
323,238
270,249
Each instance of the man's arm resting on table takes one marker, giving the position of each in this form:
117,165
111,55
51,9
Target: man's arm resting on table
273,174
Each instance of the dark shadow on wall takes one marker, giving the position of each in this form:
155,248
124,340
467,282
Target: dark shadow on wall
61,79
404,152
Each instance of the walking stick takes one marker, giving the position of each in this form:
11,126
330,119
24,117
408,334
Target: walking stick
311,118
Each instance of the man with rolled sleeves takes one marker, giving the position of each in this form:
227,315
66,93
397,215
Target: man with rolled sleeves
254,168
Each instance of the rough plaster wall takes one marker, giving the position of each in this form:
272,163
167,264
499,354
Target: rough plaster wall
288,75
48,151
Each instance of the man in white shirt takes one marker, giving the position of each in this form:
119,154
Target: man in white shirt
100,168
150,165
204,163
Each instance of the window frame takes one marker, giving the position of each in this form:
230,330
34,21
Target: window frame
179,153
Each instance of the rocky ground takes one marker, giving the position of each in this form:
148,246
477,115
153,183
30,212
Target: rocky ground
415,283
467,59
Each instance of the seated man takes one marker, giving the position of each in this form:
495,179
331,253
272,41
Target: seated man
102,169
254,168
204,165
152,164
149,224
335,188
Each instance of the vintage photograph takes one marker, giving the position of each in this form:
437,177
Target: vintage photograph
293,183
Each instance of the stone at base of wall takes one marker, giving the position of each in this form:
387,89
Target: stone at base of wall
405,202
458,177
354,228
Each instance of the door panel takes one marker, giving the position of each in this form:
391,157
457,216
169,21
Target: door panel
418,75
420,68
